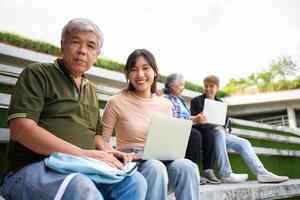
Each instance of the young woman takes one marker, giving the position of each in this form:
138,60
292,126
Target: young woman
129,113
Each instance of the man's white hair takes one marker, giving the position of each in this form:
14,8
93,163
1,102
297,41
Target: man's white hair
80,24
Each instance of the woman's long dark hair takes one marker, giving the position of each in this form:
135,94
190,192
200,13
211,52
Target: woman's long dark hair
131,61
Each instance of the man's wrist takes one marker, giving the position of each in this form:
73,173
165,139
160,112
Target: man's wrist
81,152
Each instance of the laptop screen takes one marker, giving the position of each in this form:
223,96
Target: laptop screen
215,111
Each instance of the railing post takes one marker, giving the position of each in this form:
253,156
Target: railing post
291,117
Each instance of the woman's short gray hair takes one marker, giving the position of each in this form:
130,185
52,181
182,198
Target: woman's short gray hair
81,24
170,81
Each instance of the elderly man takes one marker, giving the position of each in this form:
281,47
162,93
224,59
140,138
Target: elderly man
54,108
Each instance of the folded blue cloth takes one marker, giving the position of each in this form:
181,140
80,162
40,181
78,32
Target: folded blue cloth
97,170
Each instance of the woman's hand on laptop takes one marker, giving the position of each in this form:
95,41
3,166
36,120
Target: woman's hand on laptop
125,157
200,118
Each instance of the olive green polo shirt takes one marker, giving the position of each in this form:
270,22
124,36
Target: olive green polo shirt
46,93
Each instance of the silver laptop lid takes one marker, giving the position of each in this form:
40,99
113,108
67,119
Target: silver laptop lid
215,111
167,138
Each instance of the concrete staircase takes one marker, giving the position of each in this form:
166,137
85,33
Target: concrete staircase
13,59
249,190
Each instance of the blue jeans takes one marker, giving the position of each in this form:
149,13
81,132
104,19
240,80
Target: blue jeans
35,181
241,146
180,176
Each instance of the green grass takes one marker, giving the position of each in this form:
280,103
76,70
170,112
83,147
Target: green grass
292,198
3,117
20,41
193,87
109,64
102,104
280,165
263,130
271,144
6,89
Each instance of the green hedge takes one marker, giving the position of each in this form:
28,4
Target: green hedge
272,144
43,47
102,104
36,45
3,117
6,89
292,198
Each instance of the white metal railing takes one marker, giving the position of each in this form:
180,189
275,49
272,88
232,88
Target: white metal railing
264,126
280,120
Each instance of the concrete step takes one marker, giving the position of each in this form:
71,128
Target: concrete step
249,190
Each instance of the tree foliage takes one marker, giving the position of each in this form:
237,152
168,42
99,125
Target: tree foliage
281,74
284,67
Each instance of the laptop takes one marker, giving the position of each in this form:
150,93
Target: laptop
215,111
167,138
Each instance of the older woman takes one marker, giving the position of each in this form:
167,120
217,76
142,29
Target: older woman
174,87
129,113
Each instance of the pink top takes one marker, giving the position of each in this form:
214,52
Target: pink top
130,115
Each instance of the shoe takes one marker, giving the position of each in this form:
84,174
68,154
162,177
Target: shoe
210,177
268,177
234,178
202,180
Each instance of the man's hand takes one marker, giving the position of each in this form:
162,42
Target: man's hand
102,144
104,156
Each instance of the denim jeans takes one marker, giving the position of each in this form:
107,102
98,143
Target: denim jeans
35,181
241,146
180,176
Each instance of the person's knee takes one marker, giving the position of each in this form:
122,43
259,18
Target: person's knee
81,187
155,169
244,143
183,172
219,137
186,167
